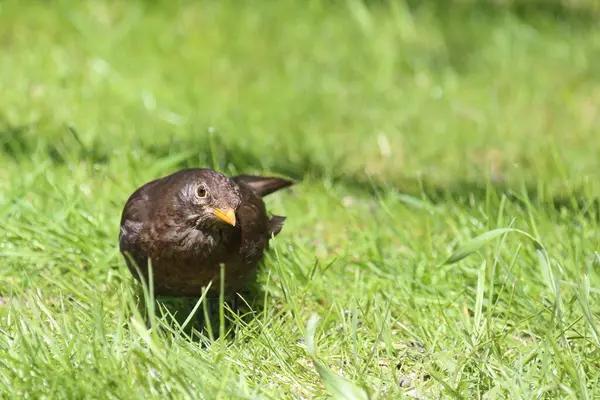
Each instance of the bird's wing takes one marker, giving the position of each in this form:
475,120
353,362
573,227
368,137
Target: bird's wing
253,224
136,207
263,185
133,219
275,225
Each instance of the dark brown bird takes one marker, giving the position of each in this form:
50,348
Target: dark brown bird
190,222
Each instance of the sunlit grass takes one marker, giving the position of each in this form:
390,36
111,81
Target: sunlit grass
410,131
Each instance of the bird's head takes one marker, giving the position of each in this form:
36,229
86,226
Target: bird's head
206,199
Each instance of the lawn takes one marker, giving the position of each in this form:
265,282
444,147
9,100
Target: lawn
412,128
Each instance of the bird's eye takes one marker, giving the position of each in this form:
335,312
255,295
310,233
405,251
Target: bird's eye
202,192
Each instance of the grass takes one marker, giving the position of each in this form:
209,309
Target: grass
412,129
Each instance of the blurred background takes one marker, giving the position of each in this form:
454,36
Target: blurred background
454,92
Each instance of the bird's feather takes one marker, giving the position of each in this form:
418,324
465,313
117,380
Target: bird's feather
263,185
275,225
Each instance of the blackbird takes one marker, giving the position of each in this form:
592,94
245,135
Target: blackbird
192,221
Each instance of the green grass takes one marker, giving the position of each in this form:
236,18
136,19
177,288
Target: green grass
411,128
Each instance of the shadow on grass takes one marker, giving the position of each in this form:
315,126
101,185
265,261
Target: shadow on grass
203,321
19,143
466,24
577,13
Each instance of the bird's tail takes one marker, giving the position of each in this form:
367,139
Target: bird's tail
263,185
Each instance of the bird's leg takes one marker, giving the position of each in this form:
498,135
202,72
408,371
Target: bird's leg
236,305
236,309
148,324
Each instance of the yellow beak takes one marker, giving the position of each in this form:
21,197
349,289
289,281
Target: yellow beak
226,215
